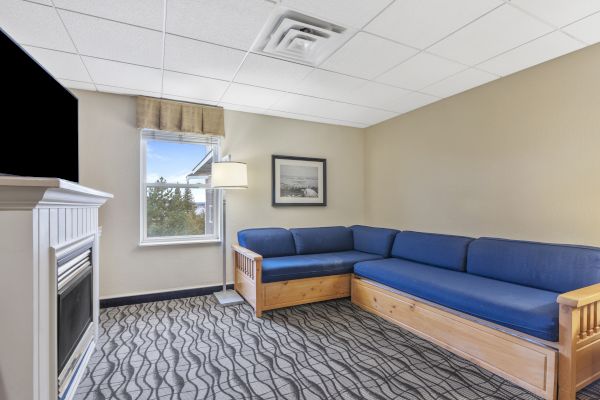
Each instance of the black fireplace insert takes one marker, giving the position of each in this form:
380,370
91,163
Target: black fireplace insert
74,303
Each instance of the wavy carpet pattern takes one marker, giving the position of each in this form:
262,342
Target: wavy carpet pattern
193,349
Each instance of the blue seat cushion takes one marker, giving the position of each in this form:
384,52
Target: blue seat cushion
268,242
373,240
444,251
558,268
308,266
322,240
529,310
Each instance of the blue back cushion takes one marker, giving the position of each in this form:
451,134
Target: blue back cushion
322,240
558,268
444,251
268,242
373,240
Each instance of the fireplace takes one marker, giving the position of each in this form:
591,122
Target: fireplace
75,311
50,243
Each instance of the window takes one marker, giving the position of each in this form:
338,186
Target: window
177,203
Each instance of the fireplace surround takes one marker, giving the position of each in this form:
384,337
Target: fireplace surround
49,256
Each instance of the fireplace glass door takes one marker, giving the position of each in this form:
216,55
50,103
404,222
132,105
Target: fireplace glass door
74,305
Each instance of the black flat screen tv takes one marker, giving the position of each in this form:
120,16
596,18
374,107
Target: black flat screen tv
38,119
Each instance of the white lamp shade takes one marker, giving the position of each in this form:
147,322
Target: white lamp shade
229,175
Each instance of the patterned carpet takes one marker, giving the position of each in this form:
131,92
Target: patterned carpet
192,349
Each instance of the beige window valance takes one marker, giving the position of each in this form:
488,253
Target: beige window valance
175,116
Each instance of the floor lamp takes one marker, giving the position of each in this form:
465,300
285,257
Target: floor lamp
228,175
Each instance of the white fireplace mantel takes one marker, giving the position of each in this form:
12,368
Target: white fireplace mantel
22,193
38,218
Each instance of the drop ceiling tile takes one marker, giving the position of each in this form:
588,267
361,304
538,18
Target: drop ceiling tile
192,86
543,49
354,13
420,71
125,91
587,29
299,104
60,64
372,116
112,73
311,118
501,30
559,12
271,72
412,101
242,108
44,2
146,13
113,40
329,85
460,82
367,56
420,23
251,96
201,58
35,25
377,95
231,23
77,85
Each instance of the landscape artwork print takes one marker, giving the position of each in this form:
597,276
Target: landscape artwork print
299,181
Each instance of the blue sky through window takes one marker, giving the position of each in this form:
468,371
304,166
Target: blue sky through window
173,161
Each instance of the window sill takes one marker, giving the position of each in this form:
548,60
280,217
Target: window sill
177,242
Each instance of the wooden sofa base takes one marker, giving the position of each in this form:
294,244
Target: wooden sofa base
294,292
529,365
269,296
302,291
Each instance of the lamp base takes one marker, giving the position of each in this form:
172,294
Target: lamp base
228,298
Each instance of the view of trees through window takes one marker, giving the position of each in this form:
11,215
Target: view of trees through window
173,212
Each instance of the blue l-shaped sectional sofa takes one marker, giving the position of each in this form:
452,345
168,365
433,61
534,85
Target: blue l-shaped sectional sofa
517,308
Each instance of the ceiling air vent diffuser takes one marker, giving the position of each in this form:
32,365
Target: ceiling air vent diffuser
301,38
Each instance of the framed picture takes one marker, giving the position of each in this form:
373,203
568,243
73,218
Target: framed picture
299,181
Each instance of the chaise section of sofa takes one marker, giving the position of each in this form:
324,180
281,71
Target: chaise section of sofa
276,267
521,309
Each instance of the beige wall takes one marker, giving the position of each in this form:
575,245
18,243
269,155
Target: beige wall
517,158
109,160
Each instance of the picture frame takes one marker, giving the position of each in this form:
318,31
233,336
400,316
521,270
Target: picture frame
298,181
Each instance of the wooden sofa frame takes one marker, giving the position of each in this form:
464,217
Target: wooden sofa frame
247,266
547,369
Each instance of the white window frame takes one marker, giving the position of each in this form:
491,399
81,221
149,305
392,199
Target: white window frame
177,137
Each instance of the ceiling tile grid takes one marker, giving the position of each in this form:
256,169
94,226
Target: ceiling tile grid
586,30
35,25
367,56
402,54
460,82
60,64
271,73
201,58
143,13
503,29
231,23
420,23
116,41
420,71
543,49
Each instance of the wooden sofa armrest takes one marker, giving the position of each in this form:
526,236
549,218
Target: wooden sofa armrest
246,252
247,267
581,297
579,344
